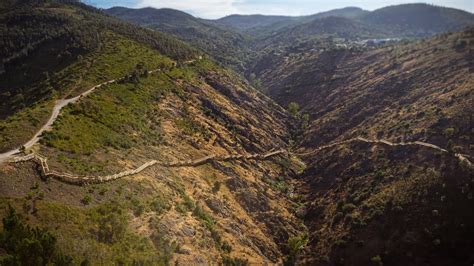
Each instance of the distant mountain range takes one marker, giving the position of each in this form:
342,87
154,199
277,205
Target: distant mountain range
234,40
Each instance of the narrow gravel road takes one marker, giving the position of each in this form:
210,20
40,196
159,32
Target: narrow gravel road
54,115
57,108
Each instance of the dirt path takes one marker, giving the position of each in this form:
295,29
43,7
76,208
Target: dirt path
54,115
57,108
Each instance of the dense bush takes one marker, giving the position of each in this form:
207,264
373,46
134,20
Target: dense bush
25,245
111,223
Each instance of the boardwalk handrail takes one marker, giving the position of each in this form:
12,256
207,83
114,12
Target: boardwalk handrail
83,180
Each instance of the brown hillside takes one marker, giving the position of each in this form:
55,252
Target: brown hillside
217,212
370,204
416,91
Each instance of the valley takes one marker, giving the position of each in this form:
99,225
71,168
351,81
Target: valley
153,137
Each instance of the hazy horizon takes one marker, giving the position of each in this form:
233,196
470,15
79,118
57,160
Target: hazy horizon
213,9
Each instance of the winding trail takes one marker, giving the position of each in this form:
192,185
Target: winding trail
54,115
11,157
84,180
459,156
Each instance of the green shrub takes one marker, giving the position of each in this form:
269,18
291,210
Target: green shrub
102,191
111,223
380,175
216,187
226,247
160,205
450,145
25,245
188,203
34,186
295,245
294,109
86,200
449,132
205,217
181,208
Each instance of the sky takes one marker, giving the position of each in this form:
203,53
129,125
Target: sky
212,9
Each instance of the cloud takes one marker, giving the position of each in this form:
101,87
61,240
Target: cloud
201,8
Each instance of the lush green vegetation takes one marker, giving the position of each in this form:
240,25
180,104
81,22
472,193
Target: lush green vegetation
123,115
117,116
21,126
26,245
65,47
295,246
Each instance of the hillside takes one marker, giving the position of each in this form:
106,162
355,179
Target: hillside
418,20
385,198
413,91
226,46
259,25
127,138
405,20
153,104
249,22
322,28
244,41
351,25
63,49
374,204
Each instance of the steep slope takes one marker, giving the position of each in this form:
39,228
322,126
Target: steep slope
226,46
373,204
164,105
63,49
158,155
106,132
416,91
385,198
